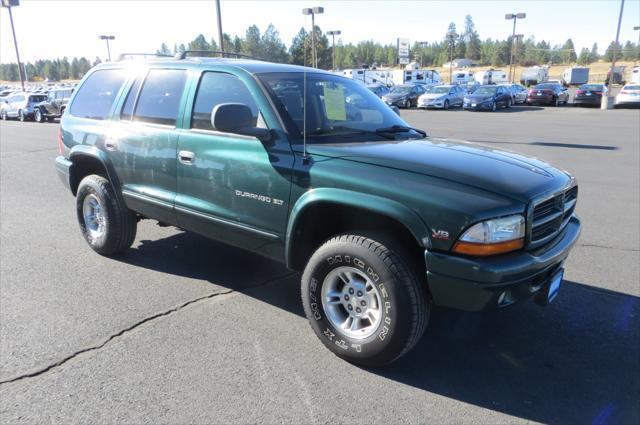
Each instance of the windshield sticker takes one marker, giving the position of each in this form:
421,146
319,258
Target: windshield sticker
334,103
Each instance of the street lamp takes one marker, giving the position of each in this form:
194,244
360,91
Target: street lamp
220,36
451,36
514,17
313,11
607,99
333,36
107,38
9,4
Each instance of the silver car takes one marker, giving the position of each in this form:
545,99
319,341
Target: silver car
518,93
442,97
20,105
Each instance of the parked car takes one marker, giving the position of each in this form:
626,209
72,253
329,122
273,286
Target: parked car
488,97
629,95
518,93
20,105
270,158
53,107
404,95
471,86
548,94
378,89
442,97
589,94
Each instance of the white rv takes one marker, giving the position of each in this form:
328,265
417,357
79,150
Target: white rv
635,75
462,77
534,75
491,76
424,76
369,76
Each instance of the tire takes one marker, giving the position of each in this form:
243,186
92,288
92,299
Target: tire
342,266
446,105
508,105
3,115
114,227
556,102
38,117
21,116
494,106
407,104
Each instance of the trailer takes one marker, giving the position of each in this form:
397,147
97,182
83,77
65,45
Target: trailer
491,76
534,75
575,76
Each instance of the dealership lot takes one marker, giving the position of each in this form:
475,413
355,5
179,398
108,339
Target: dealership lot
182,329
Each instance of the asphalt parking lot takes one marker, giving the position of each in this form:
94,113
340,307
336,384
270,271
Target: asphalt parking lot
183,329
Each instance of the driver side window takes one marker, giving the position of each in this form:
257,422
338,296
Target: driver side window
216,88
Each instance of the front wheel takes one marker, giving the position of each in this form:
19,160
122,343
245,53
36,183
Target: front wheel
508,105
446,105
21,116
407,104
556,102
494,106
38,116
3,115
363,302
107,226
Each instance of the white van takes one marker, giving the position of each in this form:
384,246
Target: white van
491,76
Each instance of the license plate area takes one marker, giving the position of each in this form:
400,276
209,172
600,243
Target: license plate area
550,290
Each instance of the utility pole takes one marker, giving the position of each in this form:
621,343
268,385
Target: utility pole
220,35
313,11
637,28
451,36
514,17
333,36
607,101
422,45
9,4
107,38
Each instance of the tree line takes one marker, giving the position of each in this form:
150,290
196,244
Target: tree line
268,45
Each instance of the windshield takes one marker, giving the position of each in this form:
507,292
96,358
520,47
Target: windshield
337,109
486,90
39,98
401,89
439,90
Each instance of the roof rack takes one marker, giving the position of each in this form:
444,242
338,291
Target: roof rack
123,56
186,53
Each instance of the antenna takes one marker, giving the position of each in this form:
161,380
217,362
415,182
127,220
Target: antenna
304,102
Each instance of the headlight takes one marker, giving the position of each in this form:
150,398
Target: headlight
490,237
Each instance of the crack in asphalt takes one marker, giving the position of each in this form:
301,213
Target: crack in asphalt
137,324
590,245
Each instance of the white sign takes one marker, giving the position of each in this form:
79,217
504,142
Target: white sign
403,47
403,61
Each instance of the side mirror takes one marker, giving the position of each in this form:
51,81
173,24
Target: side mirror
237,118
395,109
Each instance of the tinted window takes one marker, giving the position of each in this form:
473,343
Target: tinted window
130,102
159,98
95,97
216,88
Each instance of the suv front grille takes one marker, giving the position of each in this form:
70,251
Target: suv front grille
551,215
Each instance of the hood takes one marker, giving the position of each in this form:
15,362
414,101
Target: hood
505,173
479,97
432,95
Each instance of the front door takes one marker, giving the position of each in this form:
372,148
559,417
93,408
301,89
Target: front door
231,187
142,144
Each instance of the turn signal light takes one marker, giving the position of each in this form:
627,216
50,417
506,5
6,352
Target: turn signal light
482,250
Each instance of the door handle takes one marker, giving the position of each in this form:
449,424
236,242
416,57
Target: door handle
111,145
186,157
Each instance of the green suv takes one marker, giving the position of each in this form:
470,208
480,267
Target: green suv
314,170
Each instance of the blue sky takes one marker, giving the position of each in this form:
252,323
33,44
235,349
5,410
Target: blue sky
143,25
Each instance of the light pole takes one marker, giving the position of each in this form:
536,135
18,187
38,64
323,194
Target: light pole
637,28
220,36
514,17
333,41
422,45
107,38
451,36
606,101
9,4
313,11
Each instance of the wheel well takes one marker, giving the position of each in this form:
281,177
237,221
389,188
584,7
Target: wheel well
84,166
323,221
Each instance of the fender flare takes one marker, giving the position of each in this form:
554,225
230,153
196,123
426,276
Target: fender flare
375,204
85,151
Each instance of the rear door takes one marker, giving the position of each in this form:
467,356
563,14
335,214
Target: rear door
143,141
231,187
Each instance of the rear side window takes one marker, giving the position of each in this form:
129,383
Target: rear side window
95,97
216,88
159,99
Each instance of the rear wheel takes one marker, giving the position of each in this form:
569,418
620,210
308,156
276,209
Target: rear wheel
508,105
21,116
38,116
407,104
494,106
364,303
3,115
446,105
107,226
556,102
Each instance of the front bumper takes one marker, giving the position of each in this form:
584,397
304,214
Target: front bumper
439,104
478,106
63,169
478,283
398,102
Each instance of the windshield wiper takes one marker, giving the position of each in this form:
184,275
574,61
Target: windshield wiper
400,129
344,129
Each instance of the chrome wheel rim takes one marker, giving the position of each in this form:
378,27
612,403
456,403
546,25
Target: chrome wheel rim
93,214
351,302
